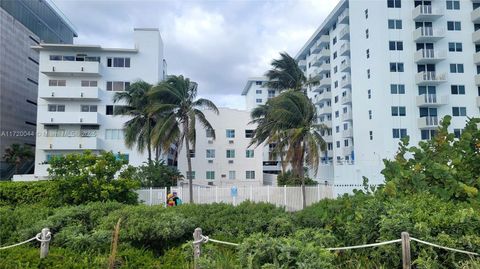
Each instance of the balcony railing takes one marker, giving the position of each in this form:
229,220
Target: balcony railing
325,110
431,100
475,15
426,13
345,33
343,17
429,122
68,118
68,143
325,83
347,133
345,66
428,34
478,101
346,82
69,93
71,68
425,56
345,49
347,116
324,68
476,37
347,99
430,77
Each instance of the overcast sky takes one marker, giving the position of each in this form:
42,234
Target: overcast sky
218,44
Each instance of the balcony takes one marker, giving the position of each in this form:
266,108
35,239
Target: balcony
431,100
347,99
477,80
302,64
478,101
426,13
430,78
347,151
325,83
347,133
346,82
71,68
345,33
476,37
345,49
69,93
428,34
324,54
347,116
68,143
345,66
68,118
429,122
475,15
343,18
429,56
324,110
324,95
315,60
476,58
324,68
321,43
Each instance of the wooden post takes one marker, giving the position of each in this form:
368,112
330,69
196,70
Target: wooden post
406,251
197,248
44,245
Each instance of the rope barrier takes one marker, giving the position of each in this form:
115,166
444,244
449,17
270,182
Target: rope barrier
205,239
36,237
442,247
367,245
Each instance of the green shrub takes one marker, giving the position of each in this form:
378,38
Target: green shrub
154,174
21,193
289,179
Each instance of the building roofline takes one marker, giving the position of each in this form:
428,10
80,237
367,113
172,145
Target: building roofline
321,29
68,47
62,16
250,80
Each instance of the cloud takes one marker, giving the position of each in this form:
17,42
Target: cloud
219,44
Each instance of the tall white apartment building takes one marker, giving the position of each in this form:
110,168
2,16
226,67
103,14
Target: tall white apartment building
75,99
227,160
388,69
257,94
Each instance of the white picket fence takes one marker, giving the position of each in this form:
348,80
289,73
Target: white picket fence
288,197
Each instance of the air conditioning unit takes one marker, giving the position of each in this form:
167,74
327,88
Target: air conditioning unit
230,161
82,69
230,141
210,183
210,161
81,119
79,146
53,94
81,94
51,119
53,68
51,146
210,141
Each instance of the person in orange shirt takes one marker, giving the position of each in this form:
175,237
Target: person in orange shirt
170,201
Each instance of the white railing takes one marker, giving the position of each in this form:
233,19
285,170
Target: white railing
284,196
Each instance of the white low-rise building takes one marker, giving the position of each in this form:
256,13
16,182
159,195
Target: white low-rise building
227,160
75,99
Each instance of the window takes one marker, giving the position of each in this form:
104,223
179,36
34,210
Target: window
258,91
230,153
427,134
249,133
396,67
399,133
369,94
112,110
210,175
88,108
345,143
397,88
399,111
258,83
453,4
369,114
456,68
457,132
337,129
191,175
335,84
230,133
366,13
371,135
114,134
56,108
368,73
345,126
336,99
329,146
89,83
394,3
367,35
258,100
454,26
117,85
337,114
335,55
249,153
455,47
459,111
368,53
231,175
56,82
210,153
395,24
210,133
395,45
457,89
250,174
192,153
271,93
118,62
335,69
337,144
334,41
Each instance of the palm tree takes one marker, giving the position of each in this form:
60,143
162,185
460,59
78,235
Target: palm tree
286,74
139,128
291,119
174,101
16,154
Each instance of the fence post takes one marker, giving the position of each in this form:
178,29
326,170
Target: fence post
216,194
251,193
44,245
165,199
406,251
197,248
268,194
198,195
318,192
285,195
150,196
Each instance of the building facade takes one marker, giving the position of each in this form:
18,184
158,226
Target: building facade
75,100
390,69
227,160
24,24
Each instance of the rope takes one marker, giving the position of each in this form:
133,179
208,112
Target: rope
36,237
367,245
446,248
205,239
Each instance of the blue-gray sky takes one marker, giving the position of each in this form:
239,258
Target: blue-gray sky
218,43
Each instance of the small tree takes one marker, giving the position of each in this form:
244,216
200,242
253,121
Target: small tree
16,154
155,174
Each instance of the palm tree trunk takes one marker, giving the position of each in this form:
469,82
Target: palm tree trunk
282,162
301,174
189,162
149,142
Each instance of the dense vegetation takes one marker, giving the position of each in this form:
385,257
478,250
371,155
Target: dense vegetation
431,191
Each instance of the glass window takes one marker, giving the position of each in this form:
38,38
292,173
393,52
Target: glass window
191,175
230,133
210,175
250,174
230,153
231,175
249,133
210,133
210,153
249,153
